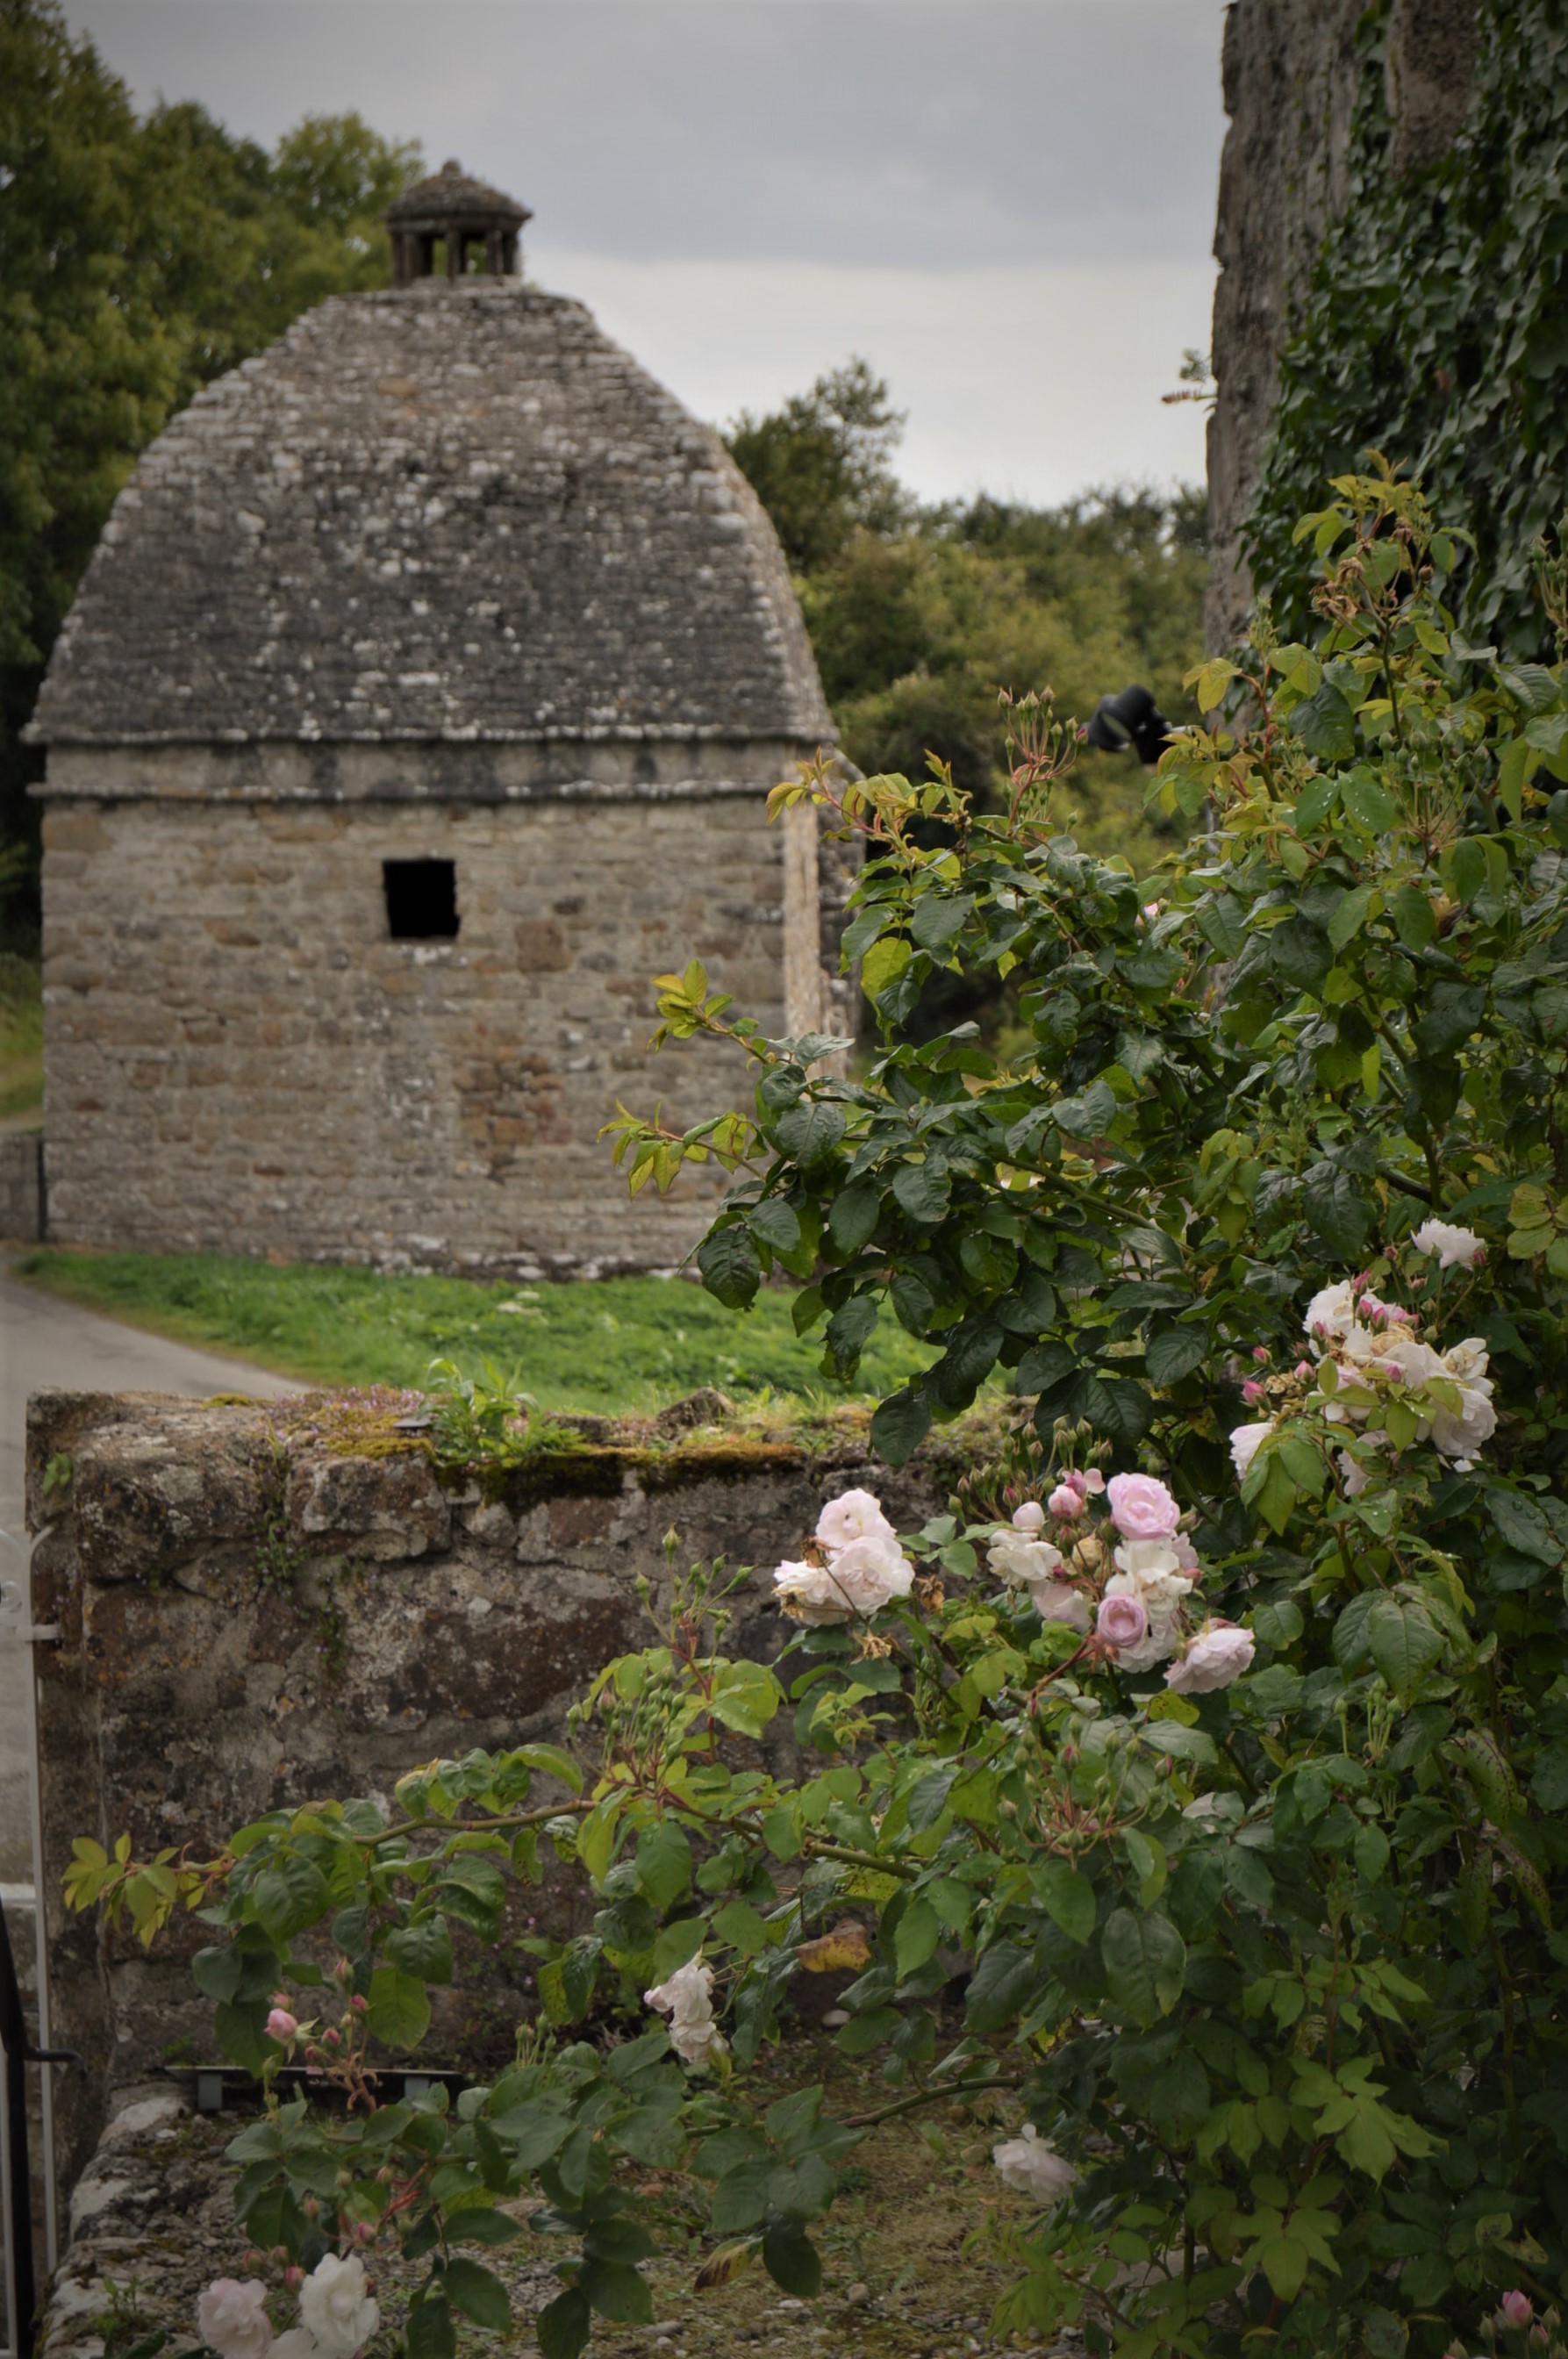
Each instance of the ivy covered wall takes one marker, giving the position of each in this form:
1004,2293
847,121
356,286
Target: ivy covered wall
1433,323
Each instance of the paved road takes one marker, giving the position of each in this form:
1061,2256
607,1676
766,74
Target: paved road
45,1342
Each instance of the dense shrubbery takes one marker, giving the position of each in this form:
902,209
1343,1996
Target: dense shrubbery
1261,1899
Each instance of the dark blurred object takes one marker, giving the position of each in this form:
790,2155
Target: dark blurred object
1130,719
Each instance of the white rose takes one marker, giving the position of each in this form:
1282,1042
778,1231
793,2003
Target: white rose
869,1572
1053,1601
1331,1313
687,1999
1415,1361
232,2318
1020,1561
337,2306
1460,1436
1466,1362
1454,1247
807,1594
296,2344
1029,1518
855,1516
1151,1570
1244,1444
1219,1654
1030,2166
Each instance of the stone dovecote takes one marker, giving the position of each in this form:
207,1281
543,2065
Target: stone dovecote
441,604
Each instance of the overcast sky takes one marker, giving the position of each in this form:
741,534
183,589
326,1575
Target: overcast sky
1006,205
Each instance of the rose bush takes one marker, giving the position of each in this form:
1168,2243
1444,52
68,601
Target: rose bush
1216,1745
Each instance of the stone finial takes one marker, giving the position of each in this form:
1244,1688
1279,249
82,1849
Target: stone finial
476,227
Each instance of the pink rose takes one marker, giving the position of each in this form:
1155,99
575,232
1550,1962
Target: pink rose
1260,1353
1219,1654
1092,1480
1252,1394
1065,1502
853,1516
232,2318
281,2025
1029,1518
1140,1507
1516,2309
1123,1621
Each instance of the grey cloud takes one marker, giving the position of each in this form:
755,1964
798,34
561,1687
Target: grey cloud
896,133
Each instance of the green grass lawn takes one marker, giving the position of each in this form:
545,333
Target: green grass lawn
612,1345
21,1036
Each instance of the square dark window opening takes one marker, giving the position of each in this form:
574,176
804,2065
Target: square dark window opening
421,899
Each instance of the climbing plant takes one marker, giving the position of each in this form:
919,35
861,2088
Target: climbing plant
1214,1745
1436,328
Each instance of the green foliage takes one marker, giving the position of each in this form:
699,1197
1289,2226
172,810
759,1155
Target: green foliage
821,464
138,259
21,1031
918,615
1434,329
617,1347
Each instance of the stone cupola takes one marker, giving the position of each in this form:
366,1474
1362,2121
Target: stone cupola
475,225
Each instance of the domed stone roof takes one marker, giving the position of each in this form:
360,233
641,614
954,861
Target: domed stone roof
452,511
450,194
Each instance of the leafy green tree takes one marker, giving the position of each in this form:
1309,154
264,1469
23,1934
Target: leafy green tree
1221,1726
821,465
138,259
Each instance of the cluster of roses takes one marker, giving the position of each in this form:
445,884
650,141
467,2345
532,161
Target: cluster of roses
854,1565
1137,1614
1367,1351
337,2314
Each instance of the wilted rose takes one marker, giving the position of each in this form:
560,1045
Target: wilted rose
1030,2165
232,2318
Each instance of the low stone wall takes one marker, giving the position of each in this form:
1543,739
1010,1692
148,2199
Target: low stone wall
22,1187
260,1604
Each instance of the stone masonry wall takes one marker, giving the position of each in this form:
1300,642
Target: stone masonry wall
238,1057
260,1605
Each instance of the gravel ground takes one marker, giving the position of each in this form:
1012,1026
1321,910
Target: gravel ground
152,2222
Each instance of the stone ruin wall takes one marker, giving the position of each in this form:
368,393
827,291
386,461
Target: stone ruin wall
253,1613
239,1052
1291,72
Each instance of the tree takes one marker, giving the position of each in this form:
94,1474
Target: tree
821,465
138,259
